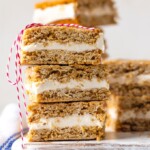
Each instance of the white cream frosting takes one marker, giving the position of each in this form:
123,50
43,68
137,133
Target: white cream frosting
98,11
129,114
113,113
36,87
71,46
68,121
144,78
126,79
135,115
54,13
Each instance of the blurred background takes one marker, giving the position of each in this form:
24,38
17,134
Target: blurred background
129,39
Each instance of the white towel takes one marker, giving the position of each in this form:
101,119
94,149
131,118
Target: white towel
10,126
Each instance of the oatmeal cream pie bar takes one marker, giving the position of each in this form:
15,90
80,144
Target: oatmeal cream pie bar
52,10
62,45
55,83
129,108
66,121
96,12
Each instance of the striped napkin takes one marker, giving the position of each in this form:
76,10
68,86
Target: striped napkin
10,126
7,144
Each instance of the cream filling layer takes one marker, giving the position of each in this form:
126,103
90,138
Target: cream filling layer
68,121
144,78
99,11
71,46
51,14
130,114
126,79
37,88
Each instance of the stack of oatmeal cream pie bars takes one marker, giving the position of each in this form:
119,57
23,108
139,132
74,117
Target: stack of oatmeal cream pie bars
66,82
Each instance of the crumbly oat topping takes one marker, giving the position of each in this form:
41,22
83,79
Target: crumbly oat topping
61,34
64,74
61,57
136,67
132,89
70,95
134,125
89,5
96,21
75,133
37,111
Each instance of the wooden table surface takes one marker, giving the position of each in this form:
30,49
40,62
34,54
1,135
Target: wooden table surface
113,141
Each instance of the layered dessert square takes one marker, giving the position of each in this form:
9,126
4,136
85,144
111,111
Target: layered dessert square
55,83
129,108
84,12
66,121
67,44
96,12
52,10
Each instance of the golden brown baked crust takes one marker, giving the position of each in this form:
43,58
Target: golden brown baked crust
95,20
37,111
130,90
64,74
74,133
70,95
120,67
94,3
61,34
133,125
65,21
50,3
54,57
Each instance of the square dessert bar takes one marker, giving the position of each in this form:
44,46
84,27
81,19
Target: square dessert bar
56,83
62,45
84,12
129,107
66,121
52,10
96,12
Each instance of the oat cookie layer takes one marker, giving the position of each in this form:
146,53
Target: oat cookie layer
75,133
96,12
